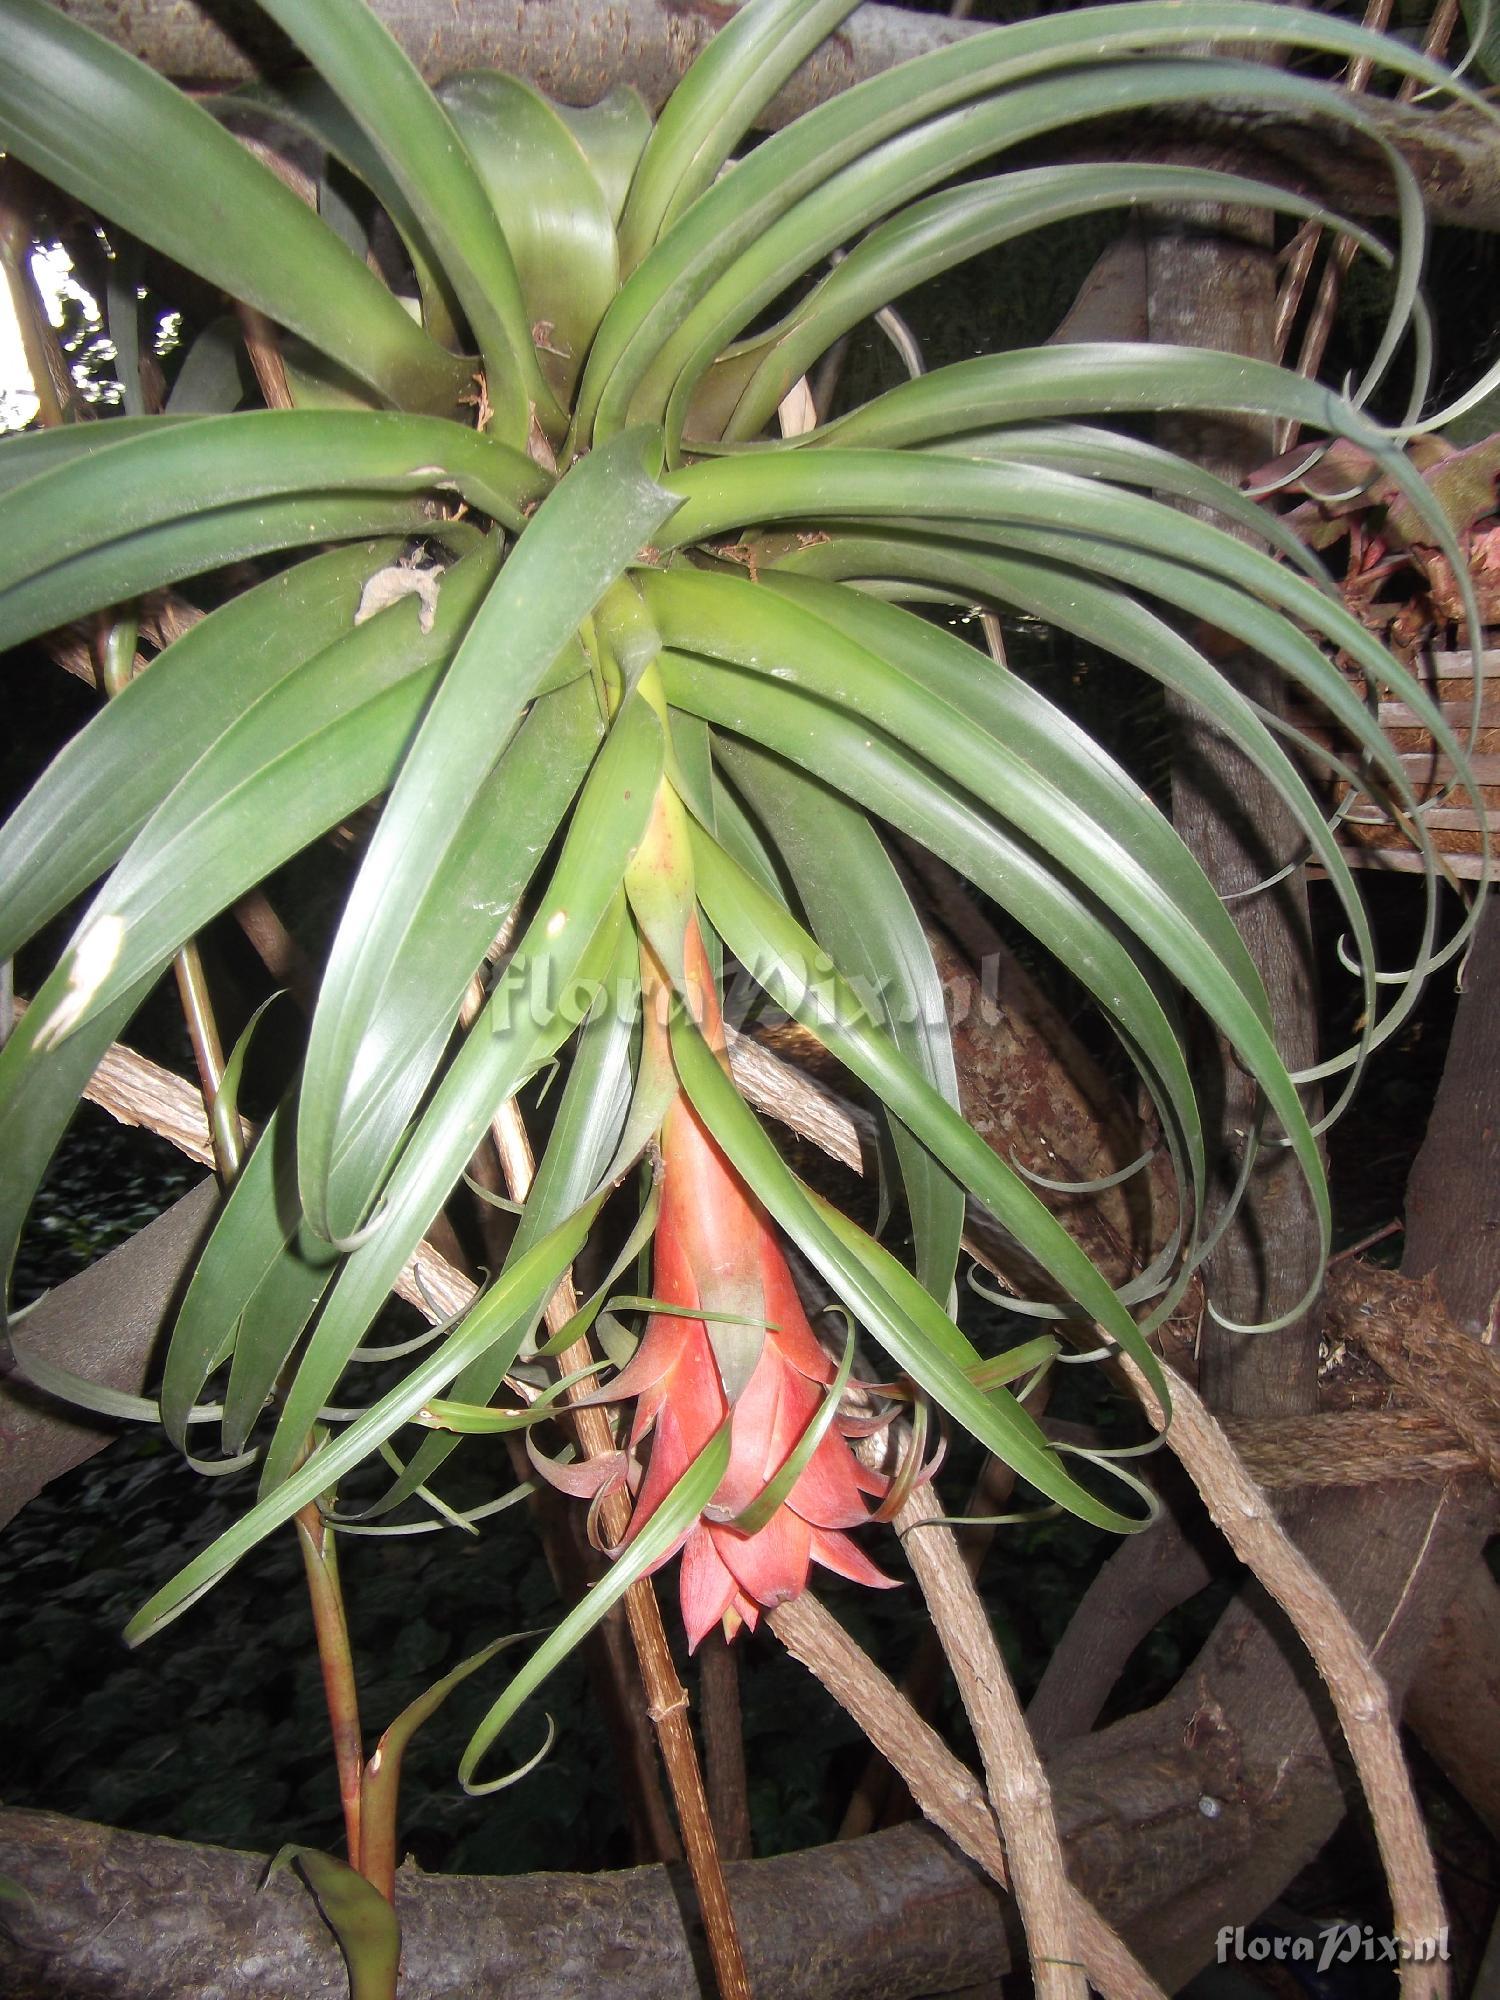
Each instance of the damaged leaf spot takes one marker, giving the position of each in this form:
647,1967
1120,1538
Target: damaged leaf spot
94,958
388,586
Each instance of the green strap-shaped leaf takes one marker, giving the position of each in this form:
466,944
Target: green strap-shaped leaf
252,1291
584,536
1127,378
103,785
308,103
1182,573
500,1315
1118,377
713,107
989,499
960,555
1074,601
718,227
613,135
531,1012
498,845
312,749
124,142
881,180
359,1917
137,560
369,70
931,236
307,754
557,221
27,454
579,1149
884,1296
1043,775
382,1779
175,468
862,917
763,935
1094,453
865,764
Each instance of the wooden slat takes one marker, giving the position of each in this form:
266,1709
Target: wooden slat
1441,819
1460,666
1401,861
1457,714
1422,763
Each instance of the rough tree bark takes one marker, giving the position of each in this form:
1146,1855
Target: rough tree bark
577,49
135,1917
1459,1241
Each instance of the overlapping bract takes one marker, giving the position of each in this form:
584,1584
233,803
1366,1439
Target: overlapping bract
716,1251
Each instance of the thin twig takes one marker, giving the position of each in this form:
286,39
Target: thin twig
1245,1518
1341,257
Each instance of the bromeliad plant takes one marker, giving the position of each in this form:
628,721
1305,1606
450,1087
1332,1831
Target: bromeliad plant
641,679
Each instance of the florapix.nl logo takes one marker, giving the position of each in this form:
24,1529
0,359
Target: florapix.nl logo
1328,1945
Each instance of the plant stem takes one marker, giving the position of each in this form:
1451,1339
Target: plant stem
320,1562
666,1697
724,1746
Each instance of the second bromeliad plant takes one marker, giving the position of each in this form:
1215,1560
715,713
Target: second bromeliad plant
654,689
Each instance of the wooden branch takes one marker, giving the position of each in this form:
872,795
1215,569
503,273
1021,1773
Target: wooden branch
1070,1944
1453,1703
813,1113
1148,1575
946,1789
1244,1517
136,1917
576,50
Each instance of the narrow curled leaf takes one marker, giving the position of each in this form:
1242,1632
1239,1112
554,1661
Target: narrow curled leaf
676,1514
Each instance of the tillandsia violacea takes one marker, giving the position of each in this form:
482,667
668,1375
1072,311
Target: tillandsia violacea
641,685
